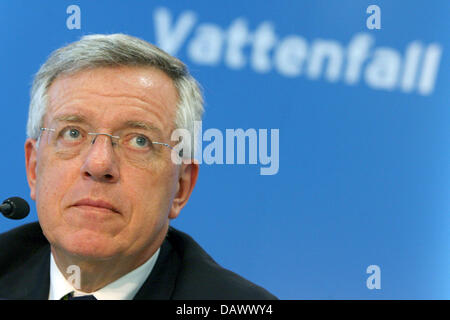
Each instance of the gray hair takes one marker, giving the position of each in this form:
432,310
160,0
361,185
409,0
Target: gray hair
94,51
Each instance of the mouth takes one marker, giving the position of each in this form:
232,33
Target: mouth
100,205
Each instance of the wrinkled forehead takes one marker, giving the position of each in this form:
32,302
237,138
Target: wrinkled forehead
108,95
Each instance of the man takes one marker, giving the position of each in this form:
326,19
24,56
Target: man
100,168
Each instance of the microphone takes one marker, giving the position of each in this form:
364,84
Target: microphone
15,208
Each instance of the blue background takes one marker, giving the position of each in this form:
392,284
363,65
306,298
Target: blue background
364,172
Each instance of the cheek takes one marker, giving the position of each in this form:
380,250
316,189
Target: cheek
152,196
53,177
53,182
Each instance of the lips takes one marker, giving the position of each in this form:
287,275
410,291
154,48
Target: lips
96,204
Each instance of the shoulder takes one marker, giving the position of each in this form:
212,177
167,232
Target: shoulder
200,277
19,244
24,263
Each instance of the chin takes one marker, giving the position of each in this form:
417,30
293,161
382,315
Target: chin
90,245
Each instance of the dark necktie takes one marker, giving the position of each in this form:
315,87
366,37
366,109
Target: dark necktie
70,296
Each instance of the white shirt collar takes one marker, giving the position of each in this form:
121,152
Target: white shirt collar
124,288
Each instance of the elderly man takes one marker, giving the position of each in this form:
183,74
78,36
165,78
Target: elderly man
98,162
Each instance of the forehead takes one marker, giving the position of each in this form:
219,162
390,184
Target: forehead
109,95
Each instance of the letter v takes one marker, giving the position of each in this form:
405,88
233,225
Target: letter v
170,39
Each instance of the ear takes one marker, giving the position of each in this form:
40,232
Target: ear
30,164
186,182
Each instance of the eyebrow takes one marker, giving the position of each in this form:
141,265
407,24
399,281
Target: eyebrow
71,118
141,125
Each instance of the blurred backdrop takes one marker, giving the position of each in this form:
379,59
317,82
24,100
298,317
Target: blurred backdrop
359,96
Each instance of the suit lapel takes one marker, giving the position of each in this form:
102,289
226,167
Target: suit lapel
41,276
161,281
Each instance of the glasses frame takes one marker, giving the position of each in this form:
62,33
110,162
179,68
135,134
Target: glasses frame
96,134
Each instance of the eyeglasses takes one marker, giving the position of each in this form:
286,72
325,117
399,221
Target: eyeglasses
71,140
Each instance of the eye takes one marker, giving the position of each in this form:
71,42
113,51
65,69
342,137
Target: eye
71,134
140,142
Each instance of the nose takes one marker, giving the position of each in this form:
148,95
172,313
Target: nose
101,163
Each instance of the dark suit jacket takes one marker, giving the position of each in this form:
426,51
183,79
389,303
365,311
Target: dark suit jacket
183,271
